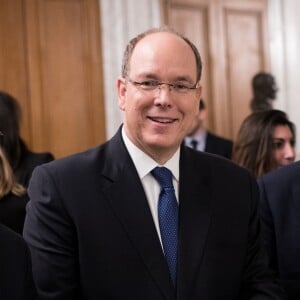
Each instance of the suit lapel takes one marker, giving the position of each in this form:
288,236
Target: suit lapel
127,199
195,216
296,195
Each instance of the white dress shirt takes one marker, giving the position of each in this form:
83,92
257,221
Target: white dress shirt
144,164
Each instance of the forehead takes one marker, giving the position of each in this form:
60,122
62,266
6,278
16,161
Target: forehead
164,53
282,131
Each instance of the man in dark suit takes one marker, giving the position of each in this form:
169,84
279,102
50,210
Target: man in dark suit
280,214
15,267
106,224
201,139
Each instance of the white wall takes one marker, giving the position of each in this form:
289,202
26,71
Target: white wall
284,33
121,20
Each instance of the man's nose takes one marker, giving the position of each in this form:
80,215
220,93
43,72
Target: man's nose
164,95
165,86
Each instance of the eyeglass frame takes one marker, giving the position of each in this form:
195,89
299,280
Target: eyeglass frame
155,85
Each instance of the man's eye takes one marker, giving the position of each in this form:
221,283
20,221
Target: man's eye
179,86
149,84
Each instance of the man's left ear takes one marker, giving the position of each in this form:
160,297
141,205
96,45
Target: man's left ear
199,90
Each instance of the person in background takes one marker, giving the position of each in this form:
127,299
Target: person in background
13,196
142,216
199,138
280,221
20,157
264,90
265,141
16,282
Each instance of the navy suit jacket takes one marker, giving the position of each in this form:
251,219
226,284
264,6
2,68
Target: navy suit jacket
15,267
92,235
280,214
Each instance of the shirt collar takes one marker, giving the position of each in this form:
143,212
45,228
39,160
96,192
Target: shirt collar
199,137
144,164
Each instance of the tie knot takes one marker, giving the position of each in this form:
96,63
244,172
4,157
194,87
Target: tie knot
163,176
194,144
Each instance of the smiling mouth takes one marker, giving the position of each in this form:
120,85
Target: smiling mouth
162,120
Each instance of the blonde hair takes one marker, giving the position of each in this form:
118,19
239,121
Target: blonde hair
7,181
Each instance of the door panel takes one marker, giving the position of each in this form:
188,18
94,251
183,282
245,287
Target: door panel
244,57
13,60
60,43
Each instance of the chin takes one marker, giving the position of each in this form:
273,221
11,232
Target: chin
159,142
167,141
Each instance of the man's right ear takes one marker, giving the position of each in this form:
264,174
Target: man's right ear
121,87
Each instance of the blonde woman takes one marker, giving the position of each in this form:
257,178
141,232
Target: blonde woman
21,158
13,196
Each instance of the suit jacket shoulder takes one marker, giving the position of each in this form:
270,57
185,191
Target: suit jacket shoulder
218,145
279,177
30,160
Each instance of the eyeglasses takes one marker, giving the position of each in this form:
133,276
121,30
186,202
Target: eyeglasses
154,85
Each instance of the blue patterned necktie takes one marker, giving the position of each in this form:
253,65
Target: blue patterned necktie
168,217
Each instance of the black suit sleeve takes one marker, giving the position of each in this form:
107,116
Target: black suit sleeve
16,282
279,215
259,279
51,237
268,230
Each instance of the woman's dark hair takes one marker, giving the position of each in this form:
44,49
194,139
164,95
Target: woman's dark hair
10,117
254,144
8,182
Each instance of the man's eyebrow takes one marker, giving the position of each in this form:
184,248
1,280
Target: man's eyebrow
184,78
156,77
147,76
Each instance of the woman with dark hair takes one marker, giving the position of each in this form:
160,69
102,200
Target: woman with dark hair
13,196
265,141
21,159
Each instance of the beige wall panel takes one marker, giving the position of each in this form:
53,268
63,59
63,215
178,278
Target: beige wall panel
244,49
13,64
65,75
